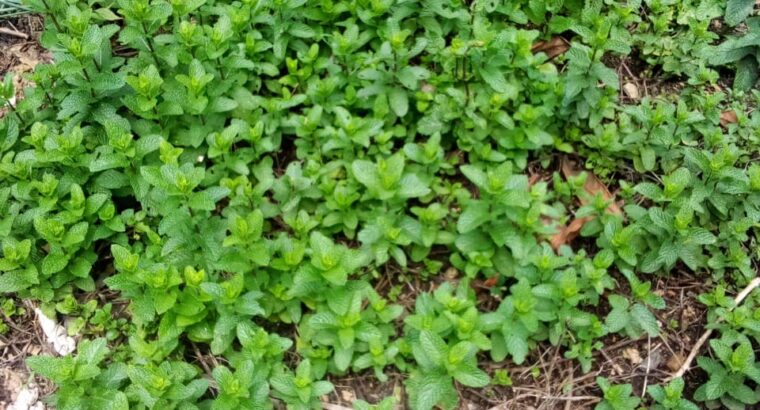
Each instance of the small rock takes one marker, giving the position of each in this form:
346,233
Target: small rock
55,334
688,315
347,396
631,90
653,361
28,399
632,355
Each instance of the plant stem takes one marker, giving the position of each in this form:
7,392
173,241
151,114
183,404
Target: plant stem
221,71
52,15
13,110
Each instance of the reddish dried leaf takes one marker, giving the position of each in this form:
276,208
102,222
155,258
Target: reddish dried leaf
551,48
491,282
728,117
567,233
533,179
675,362
593,186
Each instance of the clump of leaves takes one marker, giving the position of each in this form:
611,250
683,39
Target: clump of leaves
616,396
300,390
246,179
82,380
741,51
670,396
729,373
440,365
10,8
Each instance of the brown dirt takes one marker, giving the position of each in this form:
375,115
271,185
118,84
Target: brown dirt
18,55
365,386
635,73
23,339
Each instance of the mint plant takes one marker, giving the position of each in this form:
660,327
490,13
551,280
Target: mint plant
245,388
440,365
300,191
734,365
740,50
83,381
299,390
670,396
616,396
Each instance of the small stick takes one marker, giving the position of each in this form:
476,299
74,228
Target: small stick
616,367
199,356
706,335
590,399
569,394
649,364
14,33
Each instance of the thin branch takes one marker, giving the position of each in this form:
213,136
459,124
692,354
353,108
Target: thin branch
14,33
589,399
706,335
649,365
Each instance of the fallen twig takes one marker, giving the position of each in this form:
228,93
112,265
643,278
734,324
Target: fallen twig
569,394
616,367
537,395
649,365
14,33
706,335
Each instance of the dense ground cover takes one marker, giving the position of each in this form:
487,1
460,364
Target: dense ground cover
242,204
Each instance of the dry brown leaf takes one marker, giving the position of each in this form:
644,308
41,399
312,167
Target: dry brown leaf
675,362
533,179
632,355
491,282
551,48
593,186
567,233
28,58
728,117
